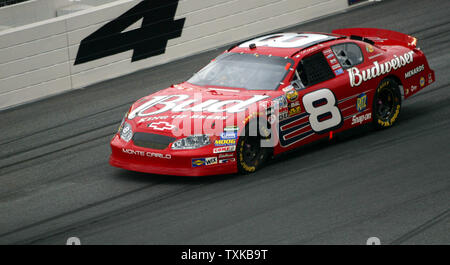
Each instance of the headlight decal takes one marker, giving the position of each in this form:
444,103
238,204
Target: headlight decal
126,132
192,142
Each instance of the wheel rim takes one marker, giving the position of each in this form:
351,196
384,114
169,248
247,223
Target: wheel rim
385,104
251,150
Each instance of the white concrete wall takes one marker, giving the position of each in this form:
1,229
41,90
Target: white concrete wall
33,11
26,12
37,60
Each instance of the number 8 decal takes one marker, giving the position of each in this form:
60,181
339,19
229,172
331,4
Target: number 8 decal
324,115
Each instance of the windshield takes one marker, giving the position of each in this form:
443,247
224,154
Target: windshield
249,71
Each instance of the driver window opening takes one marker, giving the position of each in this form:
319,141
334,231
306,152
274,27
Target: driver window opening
312,70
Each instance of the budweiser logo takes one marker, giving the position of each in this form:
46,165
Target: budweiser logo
182,103
357,77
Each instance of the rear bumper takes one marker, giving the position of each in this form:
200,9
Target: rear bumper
418,82
165,162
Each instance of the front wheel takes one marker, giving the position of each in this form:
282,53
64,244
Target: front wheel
250,154
386,104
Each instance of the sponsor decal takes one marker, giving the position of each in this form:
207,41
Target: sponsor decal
294,104
357,77
375,56
146,154
210,161
430,78
283,115
228,135
231,128
336,66
198,162
308,50
161,126
225,142
361,102
413,88
292,95
422,81
369,48
294,111
226,155
294,108
228,160
360,119
339,72
281,101
327,51
288,88
182,103
415,71
224,149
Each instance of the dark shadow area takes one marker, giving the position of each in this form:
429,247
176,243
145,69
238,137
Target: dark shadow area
168,179
10,2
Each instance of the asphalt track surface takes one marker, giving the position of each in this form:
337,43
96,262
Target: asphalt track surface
55,180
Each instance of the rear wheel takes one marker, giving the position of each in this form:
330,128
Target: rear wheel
386,104
251,155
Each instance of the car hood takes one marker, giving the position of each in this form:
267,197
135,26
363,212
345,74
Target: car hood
185,109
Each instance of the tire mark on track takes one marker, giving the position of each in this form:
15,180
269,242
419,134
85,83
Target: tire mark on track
437,219
36,184
52,152
66,123
19,152
75,211
384,212
433,27
103,217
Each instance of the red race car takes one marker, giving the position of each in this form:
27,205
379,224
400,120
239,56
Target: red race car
269,95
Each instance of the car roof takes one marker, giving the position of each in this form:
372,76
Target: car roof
283,44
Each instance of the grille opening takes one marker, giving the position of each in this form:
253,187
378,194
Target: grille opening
152,141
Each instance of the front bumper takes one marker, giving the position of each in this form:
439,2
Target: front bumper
166,162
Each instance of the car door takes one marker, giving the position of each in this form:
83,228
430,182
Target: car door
318,103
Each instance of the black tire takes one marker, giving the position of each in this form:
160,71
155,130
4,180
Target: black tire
387,104
251,156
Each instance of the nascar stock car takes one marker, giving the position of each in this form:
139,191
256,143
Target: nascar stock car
271,94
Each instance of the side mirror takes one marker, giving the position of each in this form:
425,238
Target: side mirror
297,84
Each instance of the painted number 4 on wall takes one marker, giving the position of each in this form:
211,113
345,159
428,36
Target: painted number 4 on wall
158,26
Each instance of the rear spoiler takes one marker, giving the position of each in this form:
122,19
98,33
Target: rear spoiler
379,36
